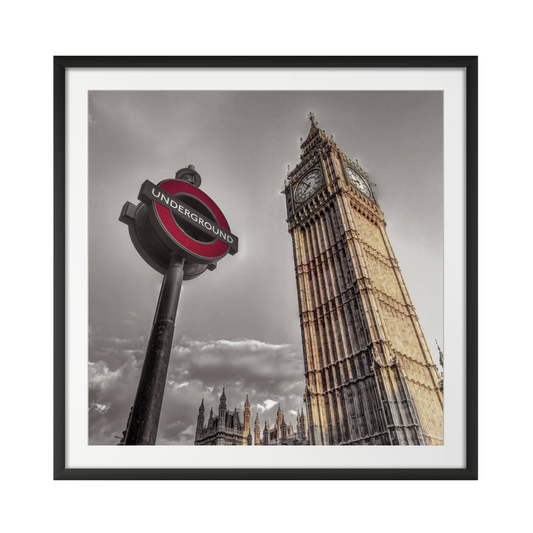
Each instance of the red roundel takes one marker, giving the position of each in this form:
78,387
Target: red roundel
214,250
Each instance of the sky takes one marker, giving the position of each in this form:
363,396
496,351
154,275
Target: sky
238,325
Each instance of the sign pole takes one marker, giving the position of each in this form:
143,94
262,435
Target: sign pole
142,429
164,224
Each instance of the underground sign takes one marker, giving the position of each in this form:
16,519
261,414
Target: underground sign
176,201
176,216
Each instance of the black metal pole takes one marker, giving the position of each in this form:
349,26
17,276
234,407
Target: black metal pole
142,429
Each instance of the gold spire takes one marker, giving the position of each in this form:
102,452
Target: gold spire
441,355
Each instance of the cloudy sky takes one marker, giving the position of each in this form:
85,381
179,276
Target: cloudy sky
239,324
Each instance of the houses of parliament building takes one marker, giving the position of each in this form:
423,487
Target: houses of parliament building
226,428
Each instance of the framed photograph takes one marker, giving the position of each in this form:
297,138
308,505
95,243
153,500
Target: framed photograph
261,265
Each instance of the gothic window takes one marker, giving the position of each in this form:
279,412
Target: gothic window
352,364
333,349
350,405
361,409
337,273
368,362
321,283
339,333
360,366
337,422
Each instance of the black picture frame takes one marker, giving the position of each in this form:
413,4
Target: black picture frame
469,63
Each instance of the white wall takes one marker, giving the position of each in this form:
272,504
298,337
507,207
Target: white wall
35,31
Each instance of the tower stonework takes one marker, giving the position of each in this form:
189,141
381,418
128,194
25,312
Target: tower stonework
370,378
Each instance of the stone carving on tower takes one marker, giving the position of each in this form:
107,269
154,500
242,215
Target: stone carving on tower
370,378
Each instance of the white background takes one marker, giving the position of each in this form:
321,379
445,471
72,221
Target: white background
33,32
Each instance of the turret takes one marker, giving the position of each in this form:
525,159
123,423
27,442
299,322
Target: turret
441,362
303,426
247,418
257,431
222,409
441,355
279,419
200,420
223,397
236,421
266,433
283,429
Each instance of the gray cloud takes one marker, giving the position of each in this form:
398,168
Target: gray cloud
268,373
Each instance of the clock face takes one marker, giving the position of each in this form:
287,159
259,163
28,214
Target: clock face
358,181
308,186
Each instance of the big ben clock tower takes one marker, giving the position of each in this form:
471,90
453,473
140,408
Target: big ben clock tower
370,378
